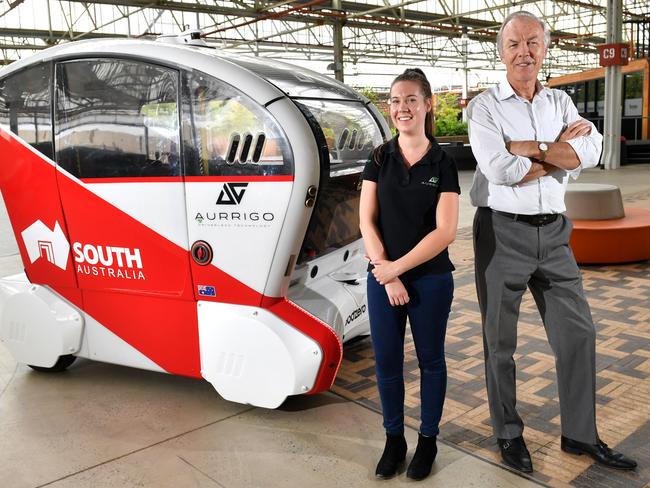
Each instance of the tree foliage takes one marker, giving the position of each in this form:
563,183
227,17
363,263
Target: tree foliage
448,115
370,94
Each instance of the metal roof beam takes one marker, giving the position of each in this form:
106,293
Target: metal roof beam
47,34
411,23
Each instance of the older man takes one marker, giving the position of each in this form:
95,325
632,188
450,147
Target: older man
528,140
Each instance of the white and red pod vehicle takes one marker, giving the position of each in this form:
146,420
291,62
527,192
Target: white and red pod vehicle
184,211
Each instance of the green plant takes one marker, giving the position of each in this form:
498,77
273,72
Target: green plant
447,110
370,94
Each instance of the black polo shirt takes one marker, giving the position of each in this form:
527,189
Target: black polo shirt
408,198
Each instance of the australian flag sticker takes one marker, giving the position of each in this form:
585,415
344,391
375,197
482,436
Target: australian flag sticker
207,291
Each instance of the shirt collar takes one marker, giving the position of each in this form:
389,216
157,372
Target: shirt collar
505,91
391,146
433,155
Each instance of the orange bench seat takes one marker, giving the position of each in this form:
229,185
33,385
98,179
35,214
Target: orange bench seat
612,241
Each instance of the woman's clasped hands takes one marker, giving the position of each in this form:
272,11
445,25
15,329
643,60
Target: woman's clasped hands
386,273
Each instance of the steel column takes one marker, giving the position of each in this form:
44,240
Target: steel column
613,90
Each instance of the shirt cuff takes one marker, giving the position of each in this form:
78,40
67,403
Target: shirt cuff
519,170
575,172
576,144
585,149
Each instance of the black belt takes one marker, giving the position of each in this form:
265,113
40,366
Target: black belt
537,220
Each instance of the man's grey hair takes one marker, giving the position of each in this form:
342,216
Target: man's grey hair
527,15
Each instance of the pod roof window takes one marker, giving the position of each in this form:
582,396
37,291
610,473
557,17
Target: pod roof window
295,82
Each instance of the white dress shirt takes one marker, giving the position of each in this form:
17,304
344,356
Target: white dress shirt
499,115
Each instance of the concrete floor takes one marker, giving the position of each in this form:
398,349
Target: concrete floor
104,425
101,425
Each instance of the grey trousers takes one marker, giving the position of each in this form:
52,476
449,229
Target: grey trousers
510,256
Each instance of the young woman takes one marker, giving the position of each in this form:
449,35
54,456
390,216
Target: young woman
408,217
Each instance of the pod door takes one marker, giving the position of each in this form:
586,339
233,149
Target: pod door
117,136
238,181
330,278
350,133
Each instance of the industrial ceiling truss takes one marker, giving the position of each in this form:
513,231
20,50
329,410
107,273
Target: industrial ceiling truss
455,34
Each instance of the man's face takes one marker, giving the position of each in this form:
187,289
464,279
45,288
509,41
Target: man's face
523,49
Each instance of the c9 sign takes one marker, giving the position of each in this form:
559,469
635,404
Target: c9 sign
613,54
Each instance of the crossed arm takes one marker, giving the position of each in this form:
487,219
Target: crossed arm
560,154
511,161
387,272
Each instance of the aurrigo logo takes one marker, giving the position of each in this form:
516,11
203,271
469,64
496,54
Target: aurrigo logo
232,194
49,244
433,181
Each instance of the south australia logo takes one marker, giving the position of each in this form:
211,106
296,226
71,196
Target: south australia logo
108,261
49,244
41,242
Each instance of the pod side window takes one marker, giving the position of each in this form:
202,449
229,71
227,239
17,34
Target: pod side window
351,133
225,133
117,118
25,106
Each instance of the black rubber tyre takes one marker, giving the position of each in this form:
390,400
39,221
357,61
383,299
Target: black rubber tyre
61,365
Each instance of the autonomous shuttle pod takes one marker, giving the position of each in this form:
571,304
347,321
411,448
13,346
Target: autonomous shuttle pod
185,211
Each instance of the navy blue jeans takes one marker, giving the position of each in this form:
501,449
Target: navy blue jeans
428,309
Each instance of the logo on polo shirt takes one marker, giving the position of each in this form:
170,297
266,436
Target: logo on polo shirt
433,181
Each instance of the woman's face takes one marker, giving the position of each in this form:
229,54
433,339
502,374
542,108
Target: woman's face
408,107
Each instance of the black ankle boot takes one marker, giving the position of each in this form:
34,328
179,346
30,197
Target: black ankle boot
394,454
422,461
